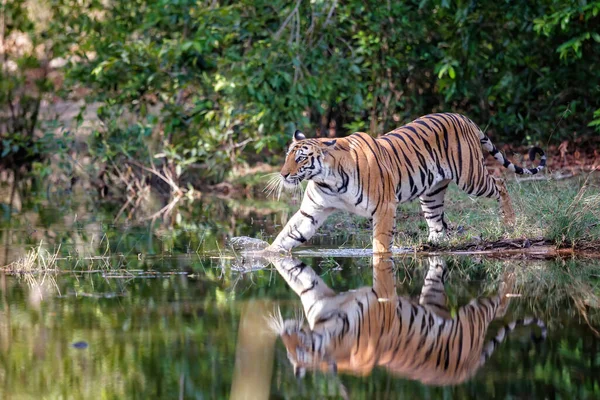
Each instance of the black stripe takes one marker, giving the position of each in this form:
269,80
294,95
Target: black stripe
312,219
314,283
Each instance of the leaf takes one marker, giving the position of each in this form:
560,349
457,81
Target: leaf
451,72
595,122
443,71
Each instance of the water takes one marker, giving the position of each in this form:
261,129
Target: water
150,310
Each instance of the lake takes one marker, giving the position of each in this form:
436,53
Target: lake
167,310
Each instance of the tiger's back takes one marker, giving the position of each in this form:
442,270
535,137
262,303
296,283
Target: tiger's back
435,148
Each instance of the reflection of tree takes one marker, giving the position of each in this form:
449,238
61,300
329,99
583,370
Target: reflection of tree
139,345
254,354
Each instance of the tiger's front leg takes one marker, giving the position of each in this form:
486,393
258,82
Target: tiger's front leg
384,227
301,227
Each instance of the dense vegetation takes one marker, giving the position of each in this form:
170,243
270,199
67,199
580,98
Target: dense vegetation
188,89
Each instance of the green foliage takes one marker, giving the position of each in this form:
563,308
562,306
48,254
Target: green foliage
27,138
575,23
576,20
154,71
23,81
199,87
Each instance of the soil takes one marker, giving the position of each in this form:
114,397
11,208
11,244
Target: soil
537,248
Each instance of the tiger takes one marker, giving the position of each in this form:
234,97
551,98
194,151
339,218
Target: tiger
355,331
370,176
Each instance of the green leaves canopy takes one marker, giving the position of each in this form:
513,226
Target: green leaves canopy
208,79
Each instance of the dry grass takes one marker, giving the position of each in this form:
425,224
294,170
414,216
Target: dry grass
40,260
38,268
36,260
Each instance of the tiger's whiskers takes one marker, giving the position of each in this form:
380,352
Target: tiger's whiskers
274,185
275,322
299,317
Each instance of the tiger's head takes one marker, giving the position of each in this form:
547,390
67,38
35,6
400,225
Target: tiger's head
305,348
306,159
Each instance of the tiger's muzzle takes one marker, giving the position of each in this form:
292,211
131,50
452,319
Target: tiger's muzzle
291,181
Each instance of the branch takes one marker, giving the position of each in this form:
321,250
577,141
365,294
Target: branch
327,21
347,45
287,20
330,13
167,180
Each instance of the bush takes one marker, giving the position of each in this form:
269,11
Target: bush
199,87
24,81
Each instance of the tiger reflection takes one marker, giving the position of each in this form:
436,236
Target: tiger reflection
372,326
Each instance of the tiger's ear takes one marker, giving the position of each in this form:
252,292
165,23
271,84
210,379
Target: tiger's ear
298,136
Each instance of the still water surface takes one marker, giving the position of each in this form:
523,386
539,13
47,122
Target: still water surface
171,312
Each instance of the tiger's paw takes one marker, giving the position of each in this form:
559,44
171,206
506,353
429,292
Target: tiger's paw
274,250
247,244
436,237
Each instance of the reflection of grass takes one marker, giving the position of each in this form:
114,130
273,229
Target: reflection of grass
551,290
548,289
572,281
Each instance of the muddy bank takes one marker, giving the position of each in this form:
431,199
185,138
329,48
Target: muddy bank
538,248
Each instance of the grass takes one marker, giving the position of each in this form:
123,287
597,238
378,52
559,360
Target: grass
40,260
36,260
565,212
578,221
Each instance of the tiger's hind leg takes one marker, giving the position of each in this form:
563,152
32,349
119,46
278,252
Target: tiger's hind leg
432,204
433,295
505,291
493,188
506,208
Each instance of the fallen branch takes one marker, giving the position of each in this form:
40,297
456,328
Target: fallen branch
555,177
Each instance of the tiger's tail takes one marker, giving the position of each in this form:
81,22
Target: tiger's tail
487,145
502,333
